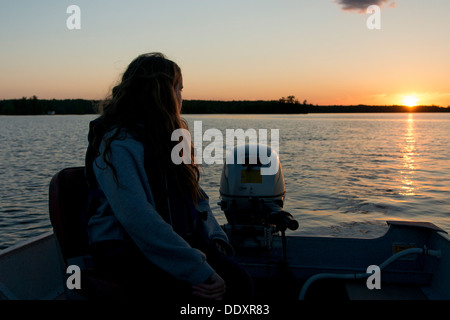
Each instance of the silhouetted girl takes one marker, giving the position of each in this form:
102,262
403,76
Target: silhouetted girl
151,228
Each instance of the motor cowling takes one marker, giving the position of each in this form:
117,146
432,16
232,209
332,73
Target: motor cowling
251,199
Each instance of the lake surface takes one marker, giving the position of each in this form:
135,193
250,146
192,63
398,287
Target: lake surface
345,174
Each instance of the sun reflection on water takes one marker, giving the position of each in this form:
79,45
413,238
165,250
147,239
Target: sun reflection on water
409,165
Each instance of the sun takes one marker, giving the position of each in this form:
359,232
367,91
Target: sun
410,101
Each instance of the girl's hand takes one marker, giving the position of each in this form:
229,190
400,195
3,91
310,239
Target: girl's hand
214,288
221,247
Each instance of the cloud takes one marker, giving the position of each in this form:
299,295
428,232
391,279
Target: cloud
362,5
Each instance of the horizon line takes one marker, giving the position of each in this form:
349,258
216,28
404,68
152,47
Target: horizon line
249,100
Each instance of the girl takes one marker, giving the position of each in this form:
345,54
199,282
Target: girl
150,225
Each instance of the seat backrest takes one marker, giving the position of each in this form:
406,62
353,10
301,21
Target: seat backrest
68,199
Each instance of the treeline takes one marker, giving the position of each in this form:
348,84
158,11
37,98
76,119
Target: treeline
243,107
35,106
379,109
286,107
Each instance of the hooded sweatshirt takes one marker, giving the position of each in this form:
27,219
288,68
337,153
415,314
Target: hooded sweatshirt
127,211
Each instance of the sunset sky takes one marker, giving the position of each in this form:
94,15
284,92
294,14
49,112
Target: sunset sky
318,50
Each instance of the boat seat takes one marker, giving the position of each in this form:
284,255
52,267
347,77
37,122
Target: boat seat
68,198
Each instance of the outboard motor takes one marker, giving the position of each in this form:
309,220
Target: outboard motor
253,200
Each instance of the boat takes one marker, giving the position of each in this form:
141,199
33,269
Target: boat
411,261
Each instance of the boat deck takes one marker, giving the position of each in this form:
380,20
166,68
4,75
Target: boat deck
34,270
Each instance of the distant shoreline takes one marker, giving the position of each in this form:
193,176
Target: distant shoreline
35,106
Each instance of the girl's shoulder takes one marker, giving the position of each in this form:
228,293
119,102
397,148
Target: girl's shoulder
123,137
122,134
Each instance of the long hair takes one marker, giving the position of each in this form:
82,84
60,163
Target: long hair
145,103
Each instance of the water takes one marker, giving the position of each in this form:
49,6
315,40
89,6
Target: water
346,174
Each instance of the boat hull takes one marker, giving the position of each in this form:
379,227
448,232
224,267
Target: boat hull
34,270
